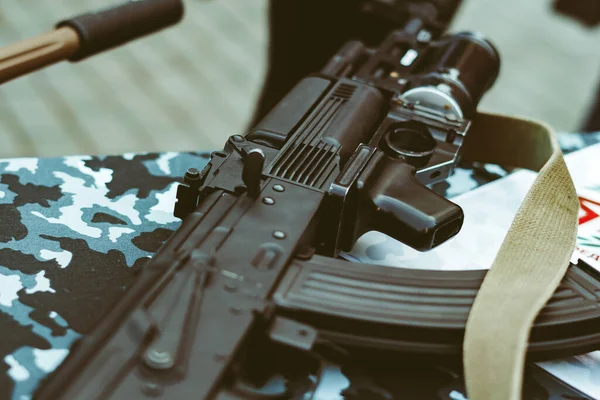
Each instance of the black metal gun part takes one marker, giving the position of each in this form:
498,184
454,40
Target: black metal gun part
295,52
348,150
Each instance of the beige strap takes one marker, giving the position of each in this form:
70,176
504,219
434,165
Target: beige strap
531,261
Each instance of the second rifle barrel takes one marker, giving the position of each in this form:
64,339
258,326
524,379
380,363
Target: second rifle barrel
32,54
85,35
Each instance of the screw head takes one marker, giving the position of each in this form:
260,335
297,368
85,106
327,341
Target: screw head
394,75
278,188
159,359
192,177
192,173
237,138
279,235
268,200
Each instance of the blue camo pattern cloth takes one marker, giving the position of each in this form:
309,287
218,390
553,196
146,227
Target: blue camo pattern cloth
74,231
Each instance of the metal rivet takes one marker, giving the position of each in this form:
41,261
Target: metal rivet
230,287
269,201
394,75
152,389
235,310
159,359
192,173
402,81
278,188
237,138
279,235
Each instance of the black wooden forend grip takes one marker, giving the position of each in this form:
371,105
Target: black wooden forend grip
112,27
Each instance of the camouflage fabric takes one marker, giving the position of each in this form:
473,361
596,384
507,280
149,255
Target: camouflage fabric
74,230
73,233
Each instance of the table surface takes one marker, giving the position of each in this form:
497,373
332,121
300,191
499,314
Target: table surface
74,231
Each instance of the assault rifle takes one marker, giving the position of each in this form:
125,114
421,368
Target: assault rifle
251,274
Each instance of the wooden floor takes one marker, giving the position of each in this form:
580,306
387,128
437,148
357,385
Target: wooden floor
183,89
550,64
193,85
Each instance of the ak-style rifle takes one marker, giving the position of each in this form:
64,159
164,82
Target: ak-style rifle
252,272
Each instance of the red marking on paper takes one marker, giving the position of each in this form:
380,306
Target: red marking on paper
588,213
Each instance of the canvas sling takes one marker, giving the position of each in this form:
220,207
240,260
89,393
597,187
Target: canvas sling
532,260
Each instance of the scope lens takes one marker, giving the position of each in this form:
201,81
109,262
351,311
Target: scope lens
462,67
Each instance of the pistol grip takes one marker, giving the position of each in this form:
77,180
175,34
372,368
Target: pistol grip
391,200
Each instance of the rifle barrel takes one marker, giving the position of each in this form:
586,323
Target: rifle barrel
35,53
82,36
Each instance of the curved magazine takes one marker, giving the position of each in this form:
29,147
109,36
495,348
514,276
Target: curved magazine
424,311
